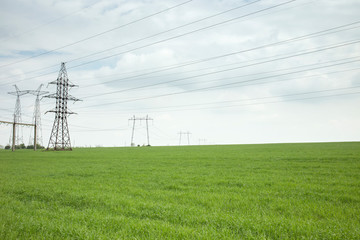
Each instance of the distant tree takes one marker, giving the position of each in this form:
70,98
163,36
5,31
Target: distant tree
22,146
7,147
38,146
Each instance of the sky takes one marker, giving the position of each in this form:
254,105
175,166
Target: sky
224,71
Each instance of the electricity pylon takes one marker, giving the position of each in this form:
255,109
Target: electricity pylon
184,133
17,115
134,119
202,140
60,136
37,115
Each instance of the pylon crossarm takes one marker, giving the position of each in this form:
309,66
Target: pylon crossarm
70,85
26,124
56,111
23,124
73,98
37,93
5,122
21,93
54,95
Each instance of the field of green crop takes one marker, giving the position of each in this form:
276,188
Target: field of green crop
271,191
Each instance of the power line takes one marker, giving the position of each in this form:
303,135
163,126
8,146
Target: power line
157,34
163,40
302,37
176,108
217,86
167,31
184,34
251,84
102,130
261,83
262,98
288,100
254,74
254,99
149,36
164,69
99,34
49,22
262,73
224,70
248,75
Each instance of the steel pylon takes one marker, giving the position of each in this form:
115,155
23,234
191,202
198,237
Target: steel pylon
37,115
60,136
17,115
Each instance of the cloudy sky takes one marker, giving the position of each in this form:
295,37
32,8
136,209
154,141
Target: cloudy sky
226,71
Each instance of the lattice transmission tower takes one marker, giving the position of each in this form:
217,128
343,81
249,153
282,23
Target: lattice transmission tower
37,115
17,116
60,136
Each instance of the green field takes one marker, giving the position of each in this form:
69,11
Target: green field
271,191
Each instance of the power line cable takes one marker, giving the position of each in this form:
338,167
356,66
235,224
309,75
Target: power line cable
254,74
98,34
149,73
167,31
157,34
164,40
149,36
260,83
101,130
214,87
220,71
48,23
183,34
247,104
275,81
303,37
288,100
178,108
280,101
282,58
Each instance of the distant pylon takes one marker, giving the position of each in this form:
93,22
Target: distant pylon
17,115
60,136
134,119
37,115
184,133
202,140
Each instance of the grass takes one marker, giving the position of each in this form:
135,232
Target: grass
272,191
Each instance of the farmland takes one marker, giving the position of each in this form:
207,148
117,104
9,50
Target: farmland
265,191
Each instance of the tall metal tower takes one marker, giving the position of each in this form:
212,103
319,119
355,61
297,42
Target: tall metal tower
184,133
60,137
37,115
17,115
134,119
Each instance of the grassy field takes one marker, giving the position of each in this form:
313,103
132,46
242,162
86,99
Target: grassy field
272,191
